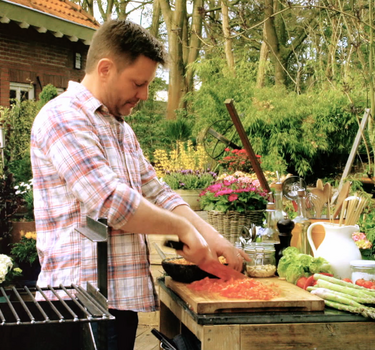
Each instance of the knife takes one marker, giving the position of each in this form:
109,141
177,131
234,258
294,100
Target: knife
214,268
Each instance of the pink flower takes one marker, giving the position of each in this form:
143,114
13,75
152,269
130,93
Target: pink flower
232,197
256,183
224,192
215,187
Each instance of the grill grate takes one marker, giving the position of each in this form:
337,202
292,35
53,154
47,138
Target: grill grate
28,306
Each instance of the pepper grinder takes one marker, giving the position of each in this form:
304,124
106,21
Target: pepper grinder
285,227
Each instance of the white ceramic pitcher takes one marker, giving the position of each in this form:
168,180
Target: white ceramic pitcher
338,247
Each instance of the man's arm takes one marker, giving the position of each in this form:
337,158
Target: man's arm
148,218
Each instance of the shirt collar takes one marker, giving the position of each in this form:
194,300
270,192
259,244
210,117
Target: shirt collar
91,102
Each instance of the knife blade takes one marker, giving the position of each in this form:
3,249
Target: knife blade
214,267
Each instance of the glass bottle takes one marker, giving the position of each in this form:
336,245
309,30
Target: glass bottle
269,234
302,223
279,213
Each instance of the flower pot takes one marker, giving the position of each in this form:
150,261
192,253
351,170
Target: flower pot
191,197
30,273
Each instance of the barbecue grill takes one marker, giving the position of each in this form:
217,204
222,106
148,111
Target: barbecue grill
60,317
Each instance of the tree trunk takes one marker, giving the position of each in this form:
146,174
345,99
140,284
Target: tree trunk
156,12
195,43
177,71
227,37
273,43
181,52
262,62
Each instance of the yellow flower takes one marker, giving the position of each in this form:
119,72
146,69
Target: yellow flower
29,235
183,157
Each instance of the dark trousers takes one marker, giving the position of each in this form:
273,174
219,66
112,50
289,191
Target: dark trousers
125,329
121,332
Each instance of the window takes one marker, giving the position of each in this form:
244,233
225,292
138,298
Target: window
21,92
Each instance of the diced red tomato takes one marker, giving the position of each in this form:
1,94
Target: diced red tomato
347,280
238,289
301,282
363,283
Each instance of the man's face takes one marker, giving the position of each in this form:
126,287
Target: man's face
124,89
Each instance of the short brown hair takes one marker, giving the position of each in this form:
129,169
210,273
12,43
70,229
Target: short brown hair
123,41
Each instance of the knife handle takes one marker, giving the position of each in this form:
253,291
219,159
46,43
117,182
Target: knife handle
178,245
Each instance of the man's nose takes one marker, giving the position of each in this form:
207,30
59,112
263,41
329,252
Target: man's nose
143,93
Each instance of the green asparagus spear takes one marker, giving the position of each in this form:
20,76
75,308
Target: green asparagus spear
370,299
364,311
334,280
340,294
327,294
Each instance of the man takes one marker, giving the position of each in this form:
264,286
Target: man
87,161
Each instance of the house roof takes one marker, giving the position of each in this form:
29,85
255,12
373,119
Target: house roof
61,17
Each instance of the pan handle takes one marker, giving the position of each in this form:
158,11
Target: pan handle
178,245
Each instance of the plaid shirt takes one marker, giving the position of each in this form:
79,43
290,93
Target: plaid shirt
88,163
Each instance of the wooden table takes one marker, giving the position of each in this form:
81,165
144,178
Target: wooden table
327,330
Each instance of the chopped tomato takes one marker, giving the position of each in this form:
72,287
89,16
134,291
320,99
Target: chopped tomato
236,289
363,283
301,282
347,280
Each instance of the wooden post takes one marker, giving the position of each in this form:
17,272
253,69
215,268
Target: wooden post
246,143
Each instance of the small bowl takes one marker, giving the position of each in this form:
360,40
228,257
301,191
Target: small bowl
182,272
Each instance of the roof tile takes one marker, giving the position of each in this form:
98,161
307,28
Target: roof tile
64,9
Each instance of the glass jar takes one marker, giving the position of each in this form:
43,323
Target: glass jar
263,261
363,269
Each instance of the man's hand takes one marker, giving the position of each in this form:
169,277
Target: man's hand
217,243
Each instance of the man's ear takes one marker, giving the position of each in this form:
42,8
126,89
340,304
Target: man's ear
105,67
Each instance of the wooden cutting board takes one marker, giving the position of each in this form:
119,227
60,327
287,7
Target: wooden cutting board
292,298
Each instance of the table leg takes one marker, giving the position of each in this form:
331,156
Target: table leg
169,324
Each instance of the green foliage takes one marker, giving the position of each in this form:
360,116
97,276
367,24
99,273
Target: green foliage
10,202
25,250
17,123
149,129
48,93
307,135
178,130
189,179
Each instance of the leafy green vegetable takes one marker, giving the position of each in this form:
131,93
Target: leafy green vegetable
294,265
320,265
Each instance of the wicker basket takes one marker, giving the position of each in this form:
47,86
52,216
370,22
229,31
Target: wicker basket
230,224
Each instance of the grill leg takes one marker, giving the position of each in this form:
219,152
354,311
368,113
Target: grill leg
88,339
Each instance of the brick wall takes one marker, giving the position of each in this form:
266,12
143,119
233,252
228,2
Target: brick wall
27,56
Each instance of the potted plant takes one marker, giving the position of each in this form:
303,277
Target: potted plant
189,183
25,254
234,201
183,170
